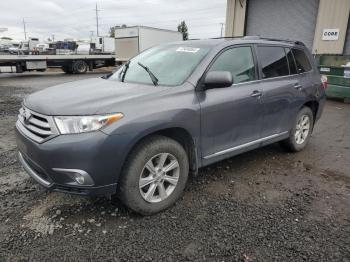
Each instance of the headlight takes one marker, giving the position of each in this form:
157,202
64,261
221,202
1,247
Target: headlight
82,124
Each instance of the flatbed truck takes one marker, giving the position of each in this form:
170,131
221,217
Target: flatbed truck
70,64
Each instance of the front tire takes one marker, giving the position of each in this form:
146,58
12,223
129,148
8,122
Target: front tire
301,132
154,176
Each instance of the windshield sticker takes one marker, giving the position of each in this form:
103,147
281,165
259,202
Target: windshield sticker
187,49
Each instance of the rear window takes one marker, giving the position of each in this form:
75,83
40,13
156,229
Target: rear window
273,61
301,60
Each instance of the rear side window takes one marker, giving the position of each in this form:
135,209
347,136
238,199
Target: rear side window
301,60
239,61
291,62
273,61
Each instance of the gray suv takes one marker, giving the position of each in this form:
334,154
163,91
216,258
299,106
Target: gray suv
167,112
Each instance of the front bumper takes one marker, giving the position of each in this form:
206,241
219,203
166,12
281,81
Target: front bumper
99,155
50,185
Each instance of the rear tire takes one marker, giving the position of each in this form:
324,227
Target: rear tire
148,192
301,132
80,67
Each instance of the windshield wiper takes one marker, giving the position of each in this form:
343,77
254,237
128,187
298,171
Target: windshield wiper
151,75
123,72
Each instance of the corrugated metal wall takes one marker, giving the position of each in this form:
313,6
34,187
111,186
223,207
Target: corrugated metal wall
292,19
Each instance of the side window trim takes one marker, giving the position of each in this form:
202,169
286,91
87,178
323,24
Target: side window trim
251,46
286,55
290,49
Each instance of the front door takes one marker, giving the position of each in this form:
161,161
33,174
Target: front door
231,116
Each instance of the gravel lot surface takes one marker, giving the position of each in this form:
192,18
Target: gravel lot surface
265,205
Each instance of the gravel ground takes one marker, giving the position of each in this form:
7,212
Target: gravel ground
265,205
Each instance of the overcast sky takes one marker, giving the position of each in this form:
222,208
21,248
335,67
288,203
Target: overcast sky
76,18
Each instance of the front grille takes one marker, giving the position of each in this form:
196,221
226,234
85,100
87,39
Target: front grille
36,126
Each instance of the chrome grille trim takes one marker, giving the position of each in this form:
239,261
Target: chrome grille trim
40,123
35,126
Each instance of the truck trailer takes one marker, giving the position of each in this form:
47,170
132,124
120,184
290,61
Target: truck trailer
129,41
71,64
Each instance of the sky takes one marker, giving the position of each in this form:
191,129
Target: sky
77,18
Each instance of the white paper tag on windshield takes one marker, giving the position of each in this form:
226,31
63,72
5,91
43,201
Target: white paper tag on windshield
187,49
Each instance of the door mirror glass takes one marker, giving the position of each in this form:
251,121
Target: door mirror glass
218,79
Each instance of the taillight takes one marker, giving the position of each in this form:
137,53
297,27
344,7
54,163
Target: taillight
324,81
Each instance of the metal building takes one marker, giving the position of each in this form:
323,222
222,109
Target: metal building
323,25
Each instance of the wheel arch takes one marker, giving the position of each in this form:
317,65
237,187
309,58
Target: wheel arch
314,106
179,134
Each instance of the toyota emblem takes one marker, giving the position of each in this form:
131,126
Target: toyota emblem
26,116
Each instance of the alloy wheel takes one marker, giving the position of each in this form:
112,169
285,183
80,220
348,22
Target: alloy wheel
302,129
159,177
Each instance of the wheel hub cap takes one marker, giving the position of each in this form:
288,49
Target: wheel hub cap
159,177
302,129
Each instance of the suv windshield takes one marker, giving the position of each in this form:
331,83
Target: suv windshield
171,65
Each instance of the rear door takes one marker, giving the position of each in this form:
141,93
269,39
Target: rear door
231,116
279,90
300,70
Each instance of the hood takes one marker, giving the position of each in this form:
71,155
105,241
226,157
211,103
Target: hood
86,97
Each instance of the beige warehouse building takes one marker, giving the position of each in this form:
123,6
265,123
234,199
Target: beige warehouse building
323,25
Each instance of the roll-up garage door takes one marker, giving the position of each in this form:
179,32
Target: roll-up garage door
287,19
347,40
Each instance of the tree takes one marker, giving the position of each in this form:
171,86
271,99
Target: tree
112,29
182,28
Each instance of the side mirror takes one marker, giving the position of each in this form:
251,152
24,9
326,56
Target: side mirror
218,79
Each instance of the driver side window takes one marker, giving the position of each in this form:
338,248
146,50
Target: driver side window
239,61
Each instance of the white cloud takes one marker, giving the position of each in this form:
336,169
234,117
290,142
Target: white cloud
75,19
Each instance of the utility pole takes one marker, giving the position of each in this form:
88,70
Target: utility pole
91,35
53,37
97,20
24,29
222,28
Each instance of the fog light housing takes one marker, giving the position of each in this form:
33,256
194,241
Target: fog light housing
77,176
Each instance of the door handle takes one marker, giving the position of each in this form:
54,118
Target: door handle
256,93
298,86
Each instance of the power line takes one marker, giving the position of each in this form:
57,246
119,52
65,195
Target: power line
167,13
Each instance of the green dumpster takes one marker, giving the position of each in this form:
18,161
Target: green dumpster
337,70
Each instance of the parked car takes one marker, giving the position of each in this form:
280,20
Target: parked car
13,50
167,112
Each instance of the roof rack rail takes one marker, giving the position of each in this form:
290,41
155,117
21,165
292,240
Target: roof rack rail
226,37
256,37
274,39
